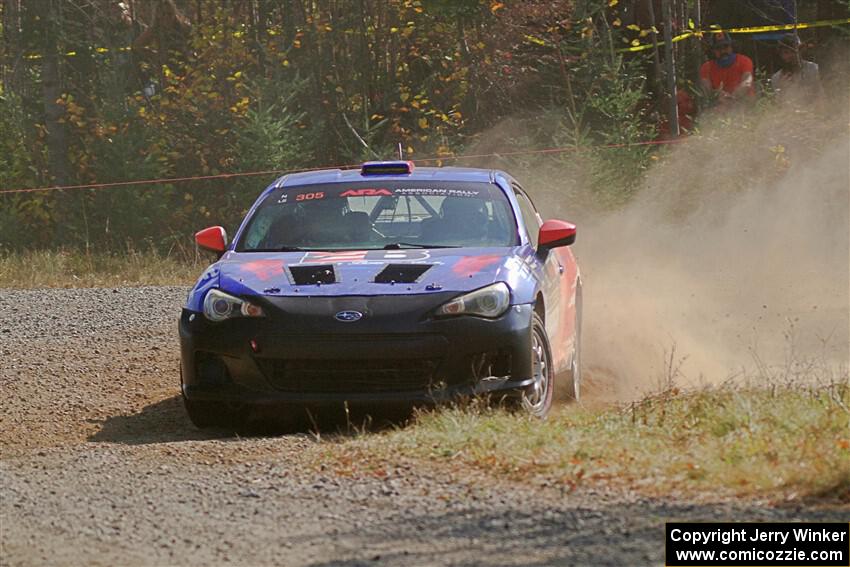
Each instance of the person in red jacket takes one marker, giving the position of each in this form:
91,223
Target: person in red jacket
729,76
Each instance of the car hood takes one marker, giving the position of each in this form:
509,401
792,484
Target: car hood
372,272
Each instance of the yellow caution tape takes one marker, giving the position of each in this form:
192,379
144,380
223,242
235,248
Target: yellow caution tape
699,33
787,27
639,47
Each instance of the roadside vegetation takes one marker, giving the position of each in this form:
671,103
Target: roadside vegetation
72,268
782,442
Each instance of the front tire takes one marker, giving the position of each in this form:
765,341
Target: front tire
537,399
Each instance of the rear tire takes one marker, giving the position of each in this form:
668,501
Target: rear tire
537,399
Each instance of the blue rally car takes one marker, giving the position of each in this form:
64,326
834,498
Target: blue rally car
382,285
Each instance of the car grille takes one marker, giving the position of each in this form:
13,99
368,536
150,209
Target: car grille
350,376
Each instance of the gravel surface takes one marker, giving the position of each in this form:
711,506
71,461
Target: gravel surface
100,466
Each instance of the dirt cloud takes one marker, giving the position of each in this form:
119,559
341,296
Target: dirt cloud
734,253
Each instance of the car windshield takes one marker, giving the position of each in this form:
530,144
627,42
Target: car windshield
377,214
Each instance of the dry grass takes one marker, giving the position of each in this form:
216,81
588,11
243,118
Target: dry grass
780,442
63,268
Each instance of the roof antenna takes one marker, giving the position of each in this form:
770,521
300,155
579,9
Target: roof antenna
400,152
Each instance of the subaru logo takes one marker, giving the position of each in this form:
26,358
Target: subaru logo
348,316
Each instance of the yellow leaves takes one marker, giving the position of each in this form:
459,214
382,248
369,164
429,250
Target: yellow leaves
404,97
423,123
535,40
496,6
241,106
617,23
633,27
613,3
393,29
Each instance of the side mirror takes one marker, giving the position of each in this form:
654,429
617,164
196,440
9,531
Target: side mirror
213,239
556,233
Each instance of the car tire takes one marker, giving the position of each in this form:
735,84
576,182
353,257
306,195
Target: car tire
573,383
537,399
205,414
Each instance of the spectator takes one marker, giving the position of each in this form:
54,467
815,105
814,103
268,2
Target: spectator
729,75
797,76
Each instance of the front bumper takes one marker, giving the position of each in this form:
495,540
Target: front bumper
396,353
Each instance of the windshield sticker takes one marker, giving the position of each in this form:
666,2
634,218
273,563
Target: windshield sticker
366,193
436,192
283,198
311,196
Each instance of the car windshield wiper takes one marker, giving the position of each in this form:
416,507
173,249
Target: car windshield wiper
398,245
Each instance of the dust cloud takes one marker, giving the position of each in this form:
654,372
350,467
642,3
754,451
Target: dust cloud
733,256
728,278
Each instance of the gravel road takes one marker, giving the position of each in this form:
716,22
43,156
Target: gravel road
100,466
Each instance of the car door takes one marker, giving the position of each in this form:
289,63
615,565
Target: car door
559,271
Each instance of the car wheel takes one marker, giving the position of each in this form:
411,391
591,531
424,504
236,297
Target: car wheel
205,414
573,390
537,398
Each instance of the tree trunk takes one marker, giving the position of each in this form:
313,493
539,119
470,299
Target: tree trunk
12,68
670,64
51,85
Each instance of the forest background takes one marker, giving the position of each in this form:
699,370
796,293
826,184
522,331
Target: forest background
100,91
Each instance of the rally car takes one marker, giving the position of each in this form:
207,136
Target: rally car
383,285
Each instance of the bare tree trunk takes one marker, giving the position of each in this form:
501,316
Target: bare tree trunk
670,64
51,85
656,60
12,69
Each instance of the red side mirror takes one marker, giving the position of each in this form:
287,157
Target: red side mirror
555,233
213,239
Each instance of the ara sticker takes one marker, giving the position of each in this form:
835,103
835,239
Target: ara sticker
366,193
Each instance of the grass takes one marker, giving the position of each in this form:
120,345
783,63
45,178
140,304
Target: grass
63,268
781,442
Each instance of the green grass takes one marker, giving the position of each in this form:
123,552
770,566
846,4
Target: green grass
63,268
781,442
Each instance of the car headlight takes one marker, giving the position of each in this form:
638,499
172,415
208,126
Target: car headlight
219,306
490,301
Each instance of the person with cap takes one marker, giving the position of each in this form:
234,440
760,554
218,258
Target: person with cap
796,76
729,75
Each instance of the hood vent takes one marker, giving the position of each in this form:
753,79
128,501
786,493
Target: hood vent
401,273
313,275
